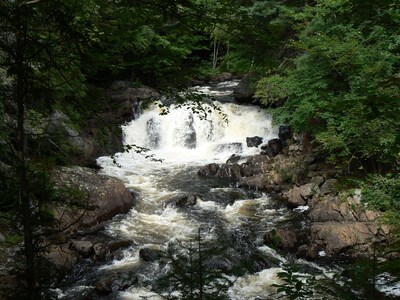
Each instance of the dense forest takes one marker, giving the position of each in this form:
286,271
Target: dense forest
330,69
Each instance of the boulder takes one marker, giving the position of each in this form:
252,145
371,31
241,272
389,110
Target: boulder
224,76
294,197
254,141
245,90
308,190
231,171
351,237
233,159
61,257
273,148
84,248
285,133
258,182
115,282
87,197
118,244
209,170
281,238
183,200
148,254
256,164
329,187
317,180
100,251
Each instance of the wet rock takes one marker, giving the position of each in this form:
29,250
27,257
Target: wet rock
84,248
258,262
276,145
329,187
233,159
273,148
209,170
268,151
258,182
97,197
104,286
281,238
224,76
245,90
254,141
183,200
256,164
118,244
232,171
100,251
285,132
148,254
115,282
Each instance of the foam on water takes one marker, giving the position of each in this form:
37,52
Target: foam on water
256,286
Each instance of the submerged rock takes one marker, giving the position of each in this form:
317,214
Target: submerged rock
183,200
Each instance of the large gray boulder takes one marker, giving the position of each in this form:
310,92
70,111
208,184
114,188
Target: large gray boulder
88,197
245,90
341,225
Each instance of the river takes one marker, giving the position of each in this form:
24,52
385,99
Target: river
226,222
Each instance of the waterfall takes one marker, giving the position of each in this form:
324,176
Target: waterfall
182,135
231,219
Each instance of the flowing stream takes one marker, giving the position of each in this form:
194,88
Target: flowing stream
229,221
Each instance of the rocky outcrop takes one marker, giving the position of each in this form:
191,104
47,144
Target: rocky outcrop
245,90
343,225
85,200
337,223
89,198
100,134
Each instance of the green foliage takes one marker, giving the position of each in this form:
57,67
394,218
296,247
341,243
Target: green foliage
189,274
343,85
382,192
295,286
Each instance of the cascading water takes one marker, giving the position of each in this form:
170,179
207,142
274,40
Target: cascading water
231,219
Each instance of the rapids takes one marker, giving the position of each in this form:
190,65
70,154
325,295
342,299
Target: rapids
229,221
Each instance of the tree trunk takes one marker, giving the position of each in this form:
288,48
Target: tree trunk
21,164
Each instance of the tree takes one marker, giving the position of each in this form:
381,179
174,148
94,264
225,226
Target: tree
40,45
343,87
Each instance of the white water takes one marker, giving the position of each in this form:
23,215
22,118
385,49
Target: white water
185,142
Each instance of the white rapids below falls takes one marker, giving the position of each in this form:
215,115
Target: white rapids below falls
185,142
